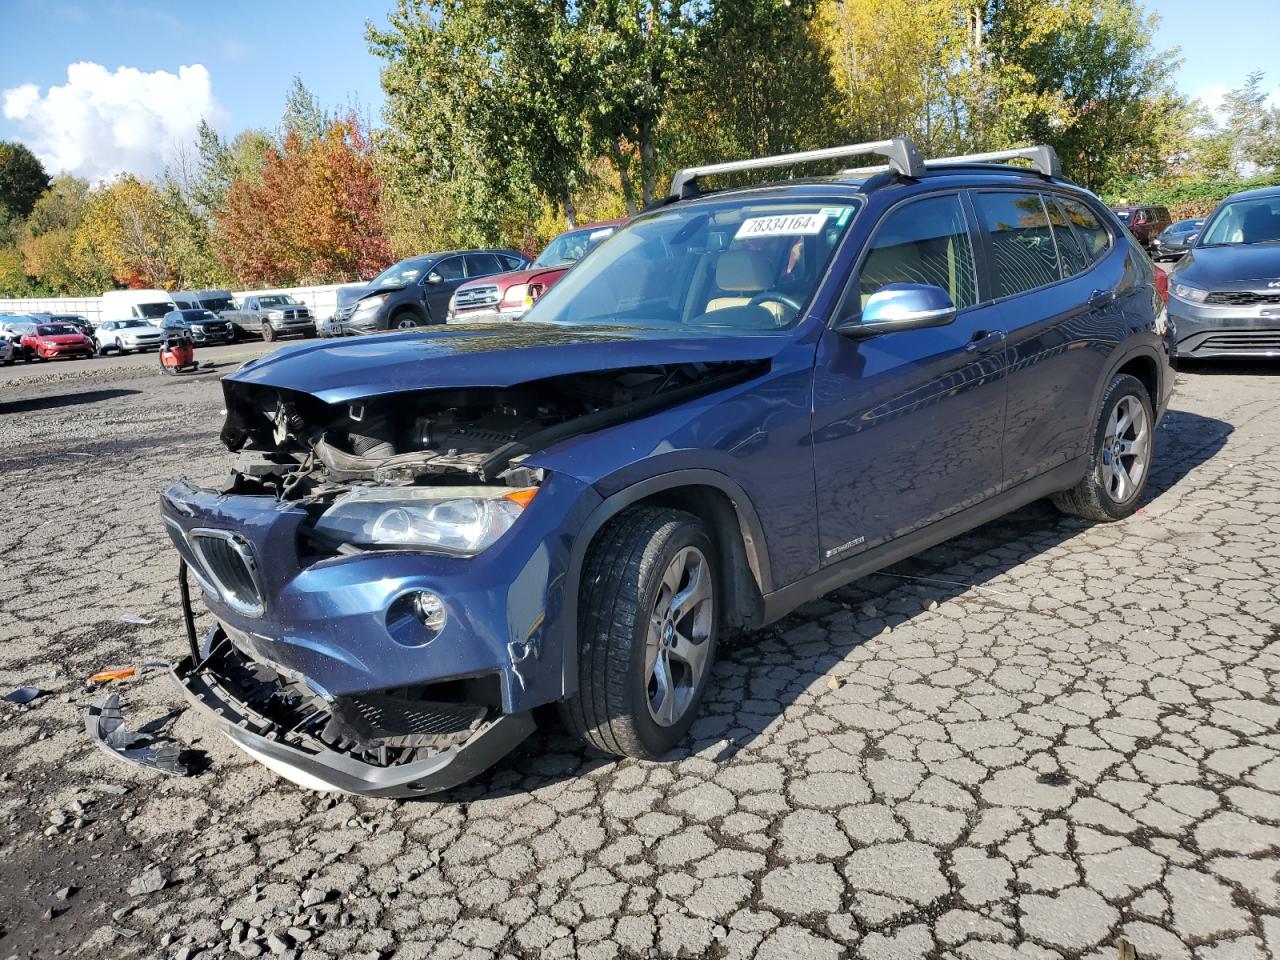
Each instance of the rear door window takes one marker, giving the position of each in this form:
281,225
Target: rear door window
1069,250
482,264
923,241
1017,228
1092,233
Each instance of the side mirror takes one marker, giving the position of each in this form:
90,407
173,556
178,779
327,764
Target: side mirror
900,306
1191,238
434,278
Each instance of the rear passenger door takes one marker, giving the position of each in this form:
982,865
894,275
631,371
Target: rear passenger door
1057,306
907,426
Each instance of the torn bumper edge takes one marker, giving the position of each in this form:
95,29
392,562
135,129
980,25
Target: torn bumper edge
320,768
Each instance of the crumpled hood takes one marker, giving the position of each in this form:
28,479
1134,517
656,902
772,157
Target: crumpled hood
488,355
1214,266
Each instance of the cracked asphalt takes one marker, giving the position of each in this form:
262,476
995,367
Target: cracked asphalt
1029,741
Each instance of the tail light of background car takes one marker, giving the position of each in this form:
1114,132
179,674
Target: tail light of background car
1162,285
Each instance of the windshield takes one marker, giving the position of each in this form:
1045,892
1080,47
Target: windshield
55,329
572,246
737,264
216,303
401,274
153,310
197,315
1244,221
277,300
132,323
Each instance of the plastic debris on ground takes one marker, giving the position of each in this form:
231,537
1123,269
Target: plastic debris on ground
23,695
125,673
146,747
134,618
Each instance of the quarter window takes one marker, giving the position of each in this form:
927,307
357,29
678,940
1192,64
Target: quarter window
1092,233
925,241
1021,242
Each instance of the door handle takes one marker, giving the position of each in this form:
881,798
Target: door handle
1101,298
983,341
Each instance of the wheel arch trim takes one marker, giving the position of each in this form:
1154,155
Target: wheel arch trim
750,530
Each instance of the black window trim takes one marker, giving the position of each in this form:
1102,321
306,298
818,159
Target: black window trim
989,256
856,271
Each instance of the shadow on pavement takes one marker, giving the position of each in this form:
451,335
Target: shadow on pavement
62,400
758,675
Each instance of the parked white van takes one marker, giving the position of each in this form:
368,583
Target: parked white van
147,305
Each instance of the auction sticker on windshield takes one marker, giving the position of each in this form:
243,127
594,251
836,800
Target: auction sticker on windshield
789,225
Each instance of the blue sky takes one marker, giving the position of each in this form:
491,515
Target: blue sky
157,67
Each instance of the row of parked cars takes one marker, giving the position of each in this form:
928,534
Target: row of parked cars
455,286
1225,288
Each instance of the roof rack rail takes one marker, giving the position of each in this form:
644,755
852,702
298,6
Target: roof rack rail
902,153
1044,160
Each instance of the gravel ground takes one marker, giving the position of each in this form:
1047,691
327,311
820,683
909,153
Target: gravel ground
1029,741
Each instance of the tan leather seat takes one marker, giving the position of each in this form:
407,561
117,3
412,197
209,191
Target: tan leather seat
746,272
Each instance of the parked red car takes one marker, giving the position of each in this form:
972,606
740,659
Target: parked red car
508,296
49,341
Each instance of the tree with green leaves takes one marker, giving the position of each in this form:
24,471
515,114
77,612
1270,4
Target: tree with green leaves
1251,127
22,180
1106,98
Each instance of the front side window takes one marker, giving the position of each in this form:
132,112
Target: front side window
450,269
742,262
1021,243
924,241
1244,221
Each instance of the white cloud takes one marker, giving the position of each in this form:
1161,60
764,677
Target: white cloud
102,123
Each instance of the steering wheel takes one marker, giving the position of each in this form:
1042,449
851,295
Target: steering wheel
781,298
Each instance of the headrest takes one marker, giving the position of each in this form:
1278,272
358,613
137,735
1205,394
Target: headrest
1259,224
747,271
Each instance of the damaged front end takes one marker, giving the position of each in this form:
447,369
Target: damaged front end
388,573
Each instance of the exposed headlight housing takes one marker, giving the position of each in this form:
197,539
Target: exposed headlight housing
370,304
515,293
456,521
1184,291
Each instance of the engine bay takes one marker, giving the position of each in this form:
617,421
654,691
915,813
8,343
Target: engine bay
296,446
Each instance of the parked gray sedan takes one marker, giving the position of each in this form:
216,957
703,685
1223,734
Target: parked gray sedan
1225,293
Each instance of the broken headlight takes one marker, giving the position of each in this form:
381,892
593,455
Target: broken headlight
459,521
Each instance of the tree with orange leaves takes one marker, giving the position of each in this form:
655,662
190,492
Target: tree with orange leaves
312,215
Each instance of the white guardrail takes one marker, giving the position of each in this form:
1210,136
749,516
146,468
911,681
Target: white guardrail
323,301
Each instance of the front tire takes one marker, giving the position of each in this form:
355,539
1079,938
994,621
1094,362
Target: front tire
268,333
648,616
1120,458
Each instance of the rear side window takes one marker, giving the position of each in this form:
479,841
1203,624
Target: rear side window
1092,233
482,264
1069,250
1021,242
925,241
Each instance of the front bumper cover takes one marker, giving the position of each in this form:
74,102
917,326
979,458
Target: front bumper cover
307,761
1213,330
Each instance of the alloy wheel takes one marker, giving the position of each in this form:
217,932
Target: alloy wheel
406,324
1126,449
677,641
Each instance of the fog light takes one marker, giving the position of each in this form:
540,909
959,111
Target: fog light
429,609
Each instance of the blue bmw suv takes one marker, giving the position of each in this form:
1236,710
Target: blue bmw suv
741,400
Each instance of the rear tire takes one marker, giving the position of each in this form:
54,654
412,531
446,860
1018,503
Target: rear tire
644,661
1119,458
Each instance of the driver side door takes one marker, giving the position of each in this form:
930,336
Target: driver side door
908,426
451,272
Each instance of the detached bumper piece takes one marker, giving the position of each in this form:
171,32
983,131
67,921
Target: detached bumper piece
382,744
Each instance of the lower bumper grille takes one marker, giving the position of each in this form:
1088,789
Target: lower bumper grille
1261,340
228,561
